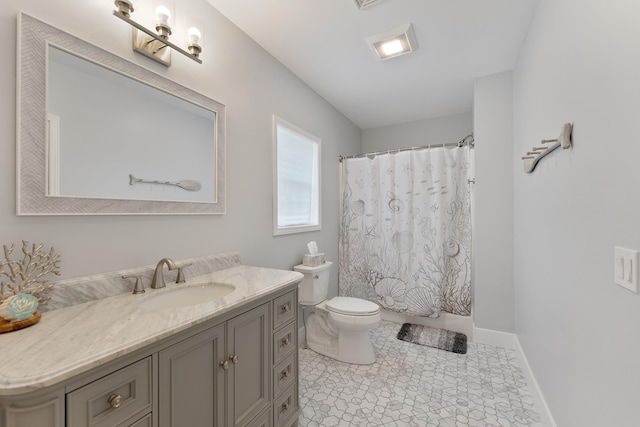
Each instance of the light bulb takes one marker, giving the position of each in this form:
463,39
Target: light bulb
194,35
392,47
162,22
163,15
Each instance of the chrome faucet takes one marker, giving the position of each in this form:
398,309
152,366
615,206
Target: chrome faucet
158,274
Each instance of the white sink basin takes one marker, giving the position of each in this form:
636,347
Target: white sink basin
186,296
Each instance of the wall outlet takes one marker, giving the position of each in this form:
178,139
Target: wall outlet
626,268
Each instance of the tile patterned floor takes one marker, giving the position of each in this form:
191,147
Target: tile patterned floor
413,385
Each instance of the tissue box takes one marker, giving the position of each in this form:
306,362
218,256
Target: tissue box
313,260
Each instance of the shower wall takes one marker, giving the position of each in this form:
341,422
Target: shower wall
415,134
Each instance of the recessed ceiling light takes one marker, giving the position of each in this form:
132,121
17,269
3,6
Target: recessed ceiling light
394,43
364,3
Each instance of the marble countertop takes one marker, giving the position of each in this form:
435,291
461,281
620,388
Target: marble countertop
75,339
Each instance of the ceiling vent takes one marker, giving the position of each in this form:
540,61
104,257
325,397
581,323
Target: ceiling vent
364,3
399,41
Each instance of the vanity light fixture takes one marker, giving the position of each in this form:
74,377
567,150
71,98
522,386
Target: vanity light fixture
390,44
155,45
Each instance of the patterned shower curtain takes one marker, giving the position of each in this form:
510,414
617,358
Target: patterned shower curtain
405,231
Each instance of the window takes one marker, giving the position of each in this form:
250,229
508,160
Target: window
296,196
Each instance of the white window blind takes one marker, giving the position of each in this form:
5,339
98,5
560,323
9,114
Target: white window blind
297,181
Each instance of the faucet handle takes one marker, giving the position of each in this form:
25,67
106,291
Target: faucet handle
181,278
138,288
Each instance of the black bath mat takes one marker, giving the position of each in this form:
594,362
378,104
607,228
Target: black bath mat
434,337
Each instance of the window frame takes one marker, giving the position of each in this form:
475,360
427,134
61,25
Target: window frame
277,230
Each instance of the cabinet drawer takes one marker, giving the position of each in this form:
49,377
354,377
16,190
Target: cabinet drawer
112,399
142,422
284,309
284,374
285,406
284,342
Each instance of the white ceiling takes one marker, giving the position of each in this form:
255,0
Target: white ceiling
323,43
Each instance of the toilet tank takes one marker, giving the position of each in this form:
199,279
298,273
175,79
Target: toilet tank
314,286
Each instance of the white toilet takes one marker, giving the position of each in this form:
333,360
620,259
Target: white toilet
339,327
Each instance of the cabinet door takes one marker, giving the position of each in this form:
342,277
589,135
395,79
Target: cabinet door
48,413
263,420
191,381
248,339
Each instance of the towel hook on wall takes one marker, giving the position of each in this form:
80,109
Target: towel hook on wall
532,157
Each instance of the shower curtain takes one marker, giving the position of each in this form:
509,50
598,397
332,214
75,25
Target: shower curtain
405,231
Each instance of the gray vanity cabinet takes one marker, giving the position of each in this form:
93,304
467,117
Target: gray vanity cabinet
239,369
223,370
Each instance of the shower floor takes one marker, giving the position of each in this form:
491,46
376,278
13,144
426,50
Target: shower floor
413,385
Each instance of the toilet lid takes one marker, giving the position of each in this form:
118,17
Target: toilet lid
352,306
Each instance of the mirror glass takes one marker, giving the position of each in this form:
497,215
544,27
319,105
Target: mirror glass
105,136
154,146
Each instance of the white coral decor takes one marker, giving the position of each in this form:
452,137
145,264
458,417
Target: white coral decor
27,274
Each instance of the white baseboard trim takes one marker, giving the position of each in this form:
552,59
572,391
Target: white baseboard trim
510,341
536,393
495,338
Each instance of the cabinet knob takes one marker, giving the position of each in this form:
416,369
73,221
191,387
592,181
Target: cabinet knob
284,406
285,308
234,358
284,374
115,400
224,364
284,342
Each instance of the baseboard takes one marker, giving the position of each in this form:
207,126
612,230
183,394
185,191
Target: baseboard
511,341
495,338
536,393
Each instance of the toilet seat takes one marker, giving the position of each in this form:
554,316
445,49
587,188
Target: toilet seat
352,306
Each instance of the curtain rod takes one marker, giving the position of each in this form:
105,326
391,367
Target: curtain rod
467,140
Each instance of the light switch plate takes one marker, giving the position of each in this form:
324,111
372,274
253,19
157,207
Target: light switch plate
626,268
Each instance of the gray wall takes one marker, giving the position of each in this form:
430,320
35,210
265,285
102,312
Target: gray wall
578,328
236,72
415,134
493,203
